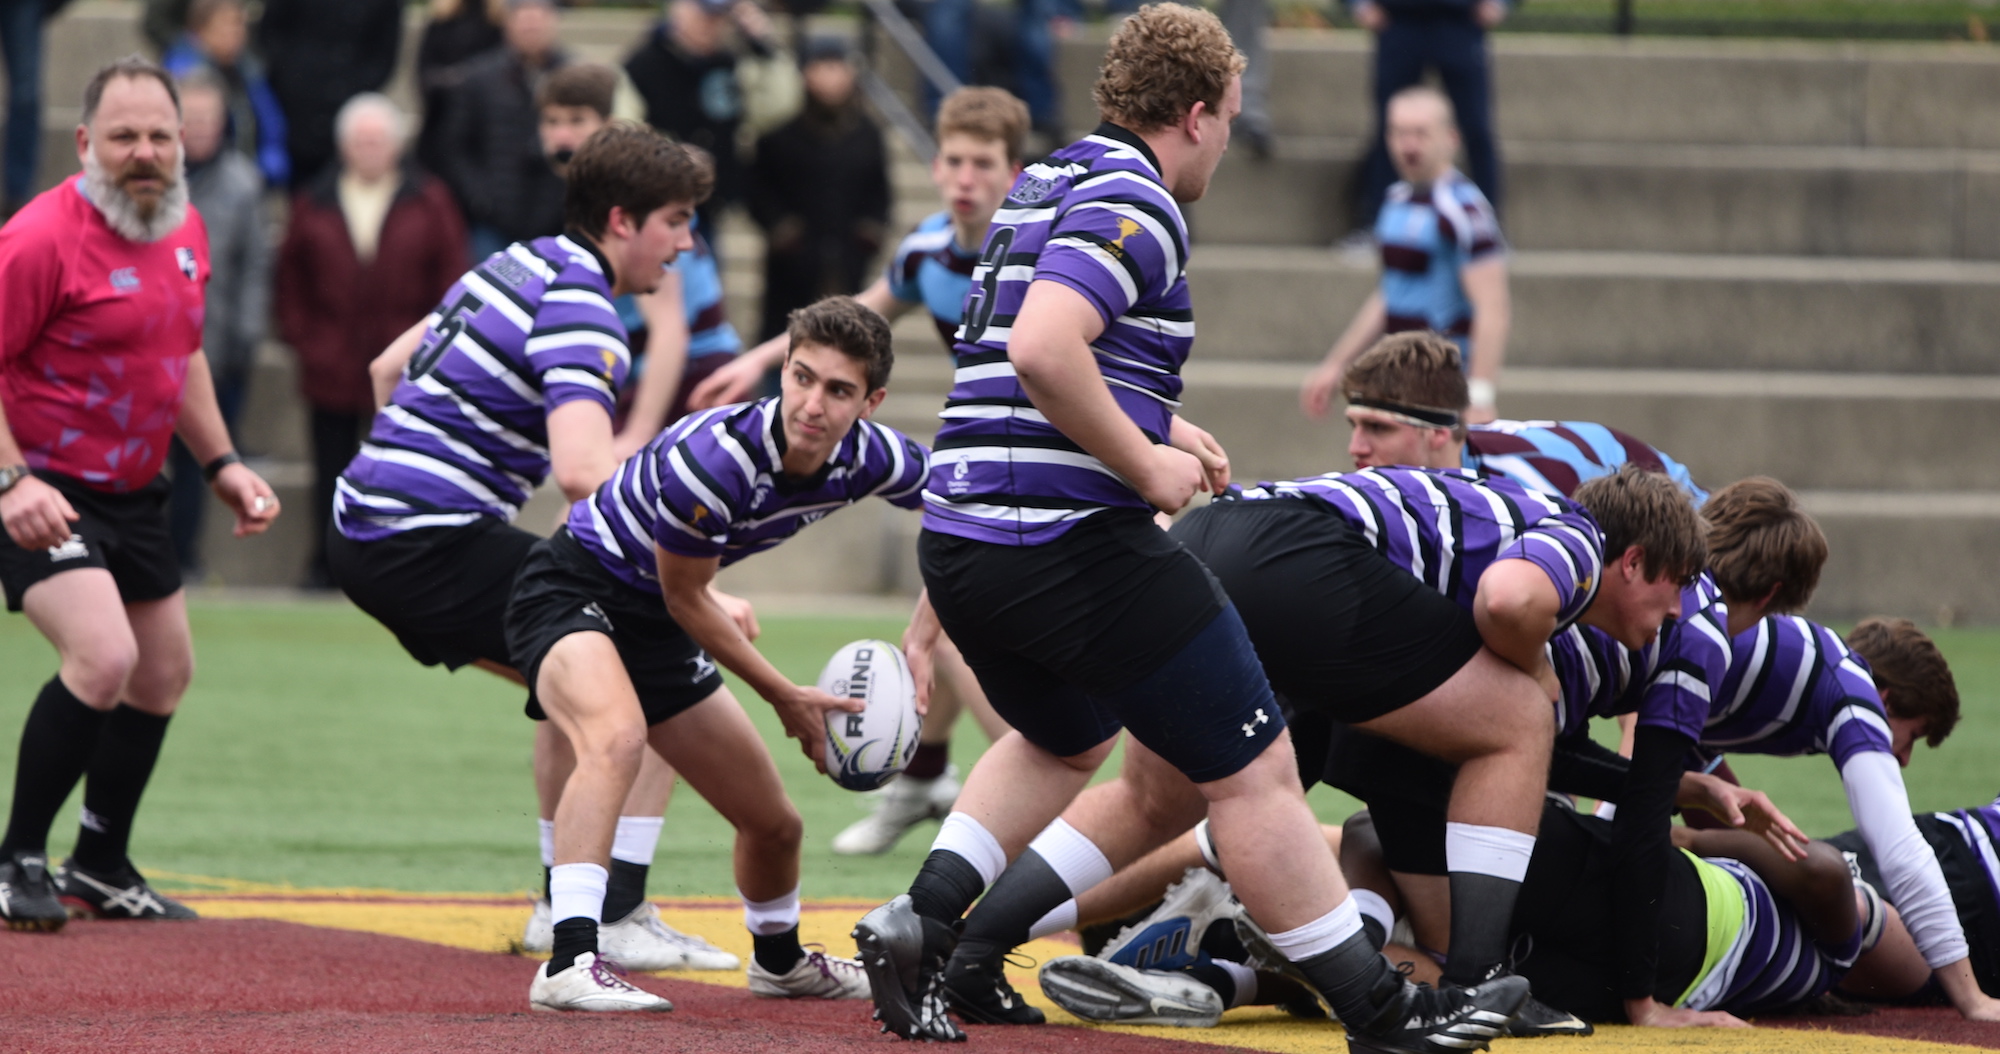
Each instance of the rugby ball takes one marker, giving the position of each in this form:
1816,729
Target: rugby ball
868,748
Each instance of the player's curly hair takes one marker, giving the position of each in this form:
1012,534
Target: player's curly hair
1646,509
1418,368
1162,61
1908,665
993,114
1760,537
629,166
841,323
588,84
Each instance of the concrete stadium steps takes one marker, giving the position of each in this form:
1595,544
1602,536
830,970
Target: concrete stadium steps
1643,90
1791,201
1654,310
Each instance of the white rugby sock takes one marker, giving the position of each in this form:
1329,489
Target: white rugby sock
1245,978
577,891
1074,858
636,839
1061,917
767,917
969,840
1494,851
1372,905
548,842
1320,935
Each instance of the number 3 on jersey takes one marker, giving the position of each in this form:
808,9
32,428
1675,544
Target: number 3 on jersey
980,305
449,327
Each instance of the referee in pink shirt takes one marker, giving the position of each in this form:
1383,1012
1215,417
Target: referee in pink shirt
101,283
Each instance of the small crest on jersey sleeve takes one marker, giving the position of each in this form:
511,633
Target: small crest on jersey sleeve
1031,190
185,257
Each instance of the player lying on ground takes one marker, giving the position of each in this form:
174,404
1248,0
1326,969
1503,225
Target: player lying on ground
613,623
510,382
1963,844
101,279
1077,613
1417,605
980,132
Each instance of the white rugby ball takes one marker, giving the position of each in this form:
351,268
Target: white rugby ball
866,749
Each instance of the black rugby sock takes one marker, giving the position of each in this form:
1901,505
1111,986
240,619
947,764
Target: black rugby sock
777,952
548,876
929,762
1026,891
625,889
947,885
56,744
127,748
1482,909
573,938
1215,977
1354,978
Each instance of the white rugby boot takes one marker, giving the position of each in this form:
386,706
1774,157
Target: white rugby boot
1096,990
590,984
539,938
817,976
1170,937
903,804
641,941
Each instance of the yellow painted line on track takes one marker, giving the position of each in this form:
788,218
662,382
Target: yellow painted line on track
492,923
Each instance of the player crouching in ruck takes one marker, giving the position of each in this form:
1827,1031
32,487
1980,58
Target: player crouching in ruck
613,624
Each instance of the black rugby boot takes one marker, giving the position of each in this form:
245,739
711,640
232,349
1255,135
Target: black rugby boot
121,894
904,954
28,894
979,993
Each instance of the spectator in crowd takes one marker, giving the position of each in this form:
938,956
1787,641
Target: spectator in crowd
459,30
491,154
685,70
218,37
226,189
372,246
21,43
164,22
320,55
953,28
1449,36
820,190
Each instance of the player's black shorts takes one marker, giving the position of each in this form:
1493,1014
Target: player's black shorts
1069,640
562,589
1339,628
125,534
1964,874
441,590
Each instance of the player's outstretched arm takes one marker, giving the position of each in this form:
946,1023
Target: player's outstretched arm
685,585
1323,383
666,362
1516,609
1744,809
1050,351
1485,284
385,371
580,456
920,648
882,300
201,427
734,382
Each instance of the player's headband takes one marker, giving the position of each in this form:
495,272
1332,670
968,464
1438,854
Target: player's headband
1420,416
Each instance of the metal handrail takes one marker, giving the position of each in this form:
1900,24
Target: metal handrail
908,39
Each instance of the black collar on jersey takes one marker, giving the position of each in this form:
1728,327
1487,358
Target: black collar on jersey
1421,416
575,234
1131,138
784,482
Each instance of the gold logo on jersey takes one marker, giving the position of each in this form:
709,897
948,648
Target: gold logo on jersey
1126,229
610,363
700,510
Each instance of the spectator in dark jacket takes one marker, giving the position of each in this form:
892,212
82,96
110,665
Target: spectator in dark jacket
320,55
492,154
372,246
459,30
686,73
820,190
218,37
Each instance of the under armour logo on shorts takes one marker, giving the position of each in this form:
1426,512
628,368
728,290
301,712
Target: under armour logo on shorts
1250,727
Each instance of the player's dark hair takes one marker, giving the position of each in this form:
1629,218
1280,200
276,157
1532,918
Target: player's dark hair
992,114
1418,370
132,67
629,166
1161,61
1760,537
1646,509
1908,665
586,84
841,323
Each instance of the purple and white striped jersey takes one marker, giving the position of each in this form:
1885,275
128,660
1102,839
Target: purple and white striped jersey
1668,683
714,485
465,434
1795,688
1447,526
1095,217
1981,830
1773,963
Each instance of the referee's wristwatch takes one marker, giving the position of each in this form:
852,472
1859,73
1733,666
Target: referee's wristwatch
11,475
214,468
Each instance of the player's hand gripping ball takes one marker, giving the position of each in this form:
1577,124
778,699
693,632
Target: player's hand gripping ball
864,750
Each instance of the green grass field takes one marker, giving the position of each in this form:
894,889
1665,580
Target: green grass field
313,751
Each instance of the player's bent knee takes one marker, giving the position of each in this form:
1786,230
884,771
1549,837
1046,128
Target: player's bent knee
99,671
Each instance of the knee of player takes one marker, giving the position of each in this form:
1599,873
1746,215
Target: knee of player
1826,872
98,671
782,829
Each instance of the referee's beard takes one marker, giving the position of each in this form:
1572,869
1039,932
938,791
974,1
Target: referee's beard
131,218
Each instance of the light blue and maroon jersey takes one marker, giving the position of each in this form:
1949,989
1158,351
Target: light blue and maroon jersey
1448,526
1556,457
1668,683
930,268
1795,688
1427,237
465,433
713,485
1094,217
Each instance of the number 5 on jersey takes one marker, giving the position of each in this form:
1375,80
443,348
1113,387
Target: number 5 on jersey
449,328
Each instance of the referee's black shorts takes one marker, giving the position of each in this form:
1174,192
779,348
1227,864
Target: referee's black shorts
441,590
123,533
1339,628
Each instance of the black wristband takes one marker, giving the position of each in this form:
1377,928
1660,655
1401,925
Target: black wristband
214,468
